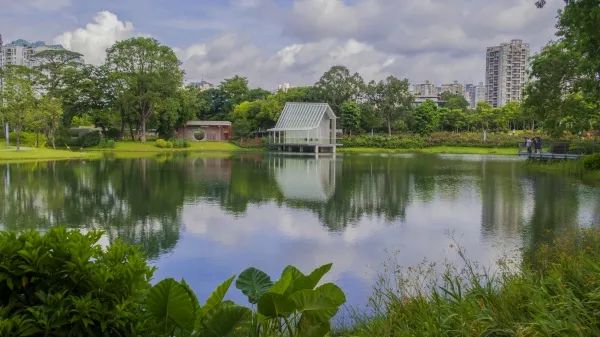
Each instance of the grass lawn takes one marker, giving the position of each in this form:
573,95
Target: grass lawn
434,149
31,154
129,146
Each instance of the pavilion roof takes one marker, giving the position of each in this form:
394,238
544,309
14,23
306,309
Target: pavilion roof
302,116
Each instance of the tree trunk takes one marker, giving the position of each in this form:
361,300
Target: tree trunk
389,123
143,133
18,132
37,139
52,139
131,130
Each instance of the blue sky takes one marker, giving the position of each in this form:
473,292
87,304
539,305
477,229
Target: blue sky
295,41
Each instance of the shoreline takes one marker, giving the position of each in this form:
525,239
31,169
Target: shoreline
130,149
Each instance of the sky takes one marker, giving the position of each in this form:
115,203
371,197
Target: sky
293,41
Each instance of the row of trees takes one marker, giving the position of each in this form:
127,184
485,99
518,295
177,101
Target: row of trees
564,93
140,87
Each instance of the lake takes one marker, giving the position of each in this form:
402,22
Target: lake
206,218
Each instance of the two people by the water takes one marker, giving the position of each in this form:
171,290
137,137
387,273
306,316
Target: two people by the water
535,142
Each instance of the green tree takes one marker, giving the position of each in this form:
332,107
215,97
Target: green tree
350,117
454,101
235,89
18,97
391,99
423,117
338,85
151,73
52,65
51,115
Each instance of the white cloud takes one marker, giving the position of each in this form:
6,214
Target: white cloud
98,35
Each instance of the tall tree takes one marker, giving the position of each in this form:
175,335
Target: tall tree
391,99
350,117
338,85
18,97
50,111
52,64
151,72
423,117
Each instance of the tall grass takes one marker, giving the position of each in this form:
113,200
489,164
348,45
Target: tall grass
555,291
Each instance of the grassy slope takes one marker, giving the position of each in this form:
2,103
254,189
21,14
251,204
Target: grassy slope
434,149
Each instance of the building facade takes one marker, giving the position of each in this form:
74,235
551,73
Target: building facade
426,89
480,94
20,52
505,74
454,88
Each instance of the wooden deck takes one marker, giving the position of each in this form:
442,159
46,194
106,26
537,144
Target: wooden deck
302,148
549,156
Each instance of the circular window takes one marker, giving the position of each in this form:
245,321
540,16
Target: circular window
199,135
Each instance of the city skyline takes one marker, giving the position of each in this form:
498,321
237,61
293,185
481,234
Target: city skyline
295,41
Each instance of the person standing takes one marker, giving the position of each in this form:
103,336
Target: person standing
528,145
538,145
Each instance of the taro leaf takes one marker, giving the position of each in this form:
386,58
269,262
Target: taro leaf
281,285
169,302
253,283
275,305
216,297
311,281
308,328
320,304
227,320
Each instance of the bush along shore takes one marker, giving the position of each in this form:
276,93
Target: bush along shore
63,283
555,292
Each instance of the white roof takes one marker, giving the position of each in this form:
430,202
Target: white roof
302,116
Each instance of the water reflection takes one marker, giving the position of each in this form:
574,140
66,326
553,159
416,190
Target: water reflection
207,218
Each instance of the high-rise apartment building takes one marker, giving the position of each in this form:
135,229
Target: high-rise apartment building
470,94
20,52
480,94
505,72
454,88
426,89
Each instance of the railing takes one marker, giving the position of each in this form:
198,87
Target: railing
574,148
305,140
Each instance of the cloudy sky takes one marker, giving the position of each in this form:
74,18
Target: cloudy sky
295,41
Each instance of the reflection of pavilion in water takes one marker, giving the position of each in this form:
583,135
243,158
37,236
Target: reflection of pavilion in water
303,178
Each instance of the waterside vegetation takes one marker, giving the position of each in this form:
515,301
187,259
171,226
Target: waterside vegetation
65,283
553,293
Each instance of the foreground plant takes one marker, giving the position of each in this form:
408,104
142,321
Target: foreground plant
63,283
292,306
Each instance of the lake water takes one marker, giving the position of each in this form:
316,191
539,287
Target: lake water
207,218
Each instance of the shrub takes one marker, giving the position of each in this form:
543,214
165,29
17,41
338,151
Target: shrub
181,143
78,137
27,139
107,144
89,139
63,283
163,144
592,162
112,133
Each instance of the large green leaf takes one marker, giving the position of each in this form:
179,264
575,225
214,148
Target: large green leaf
169,302
216,297
253,283
227,320
320,304
281,285
310,281
309,328
275,305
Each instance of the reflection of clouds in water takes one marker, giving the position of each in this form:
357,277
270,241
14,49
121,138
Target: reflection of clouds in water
270,237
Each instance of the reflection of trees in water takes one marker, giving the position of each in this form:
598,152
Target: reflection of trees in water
140,200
